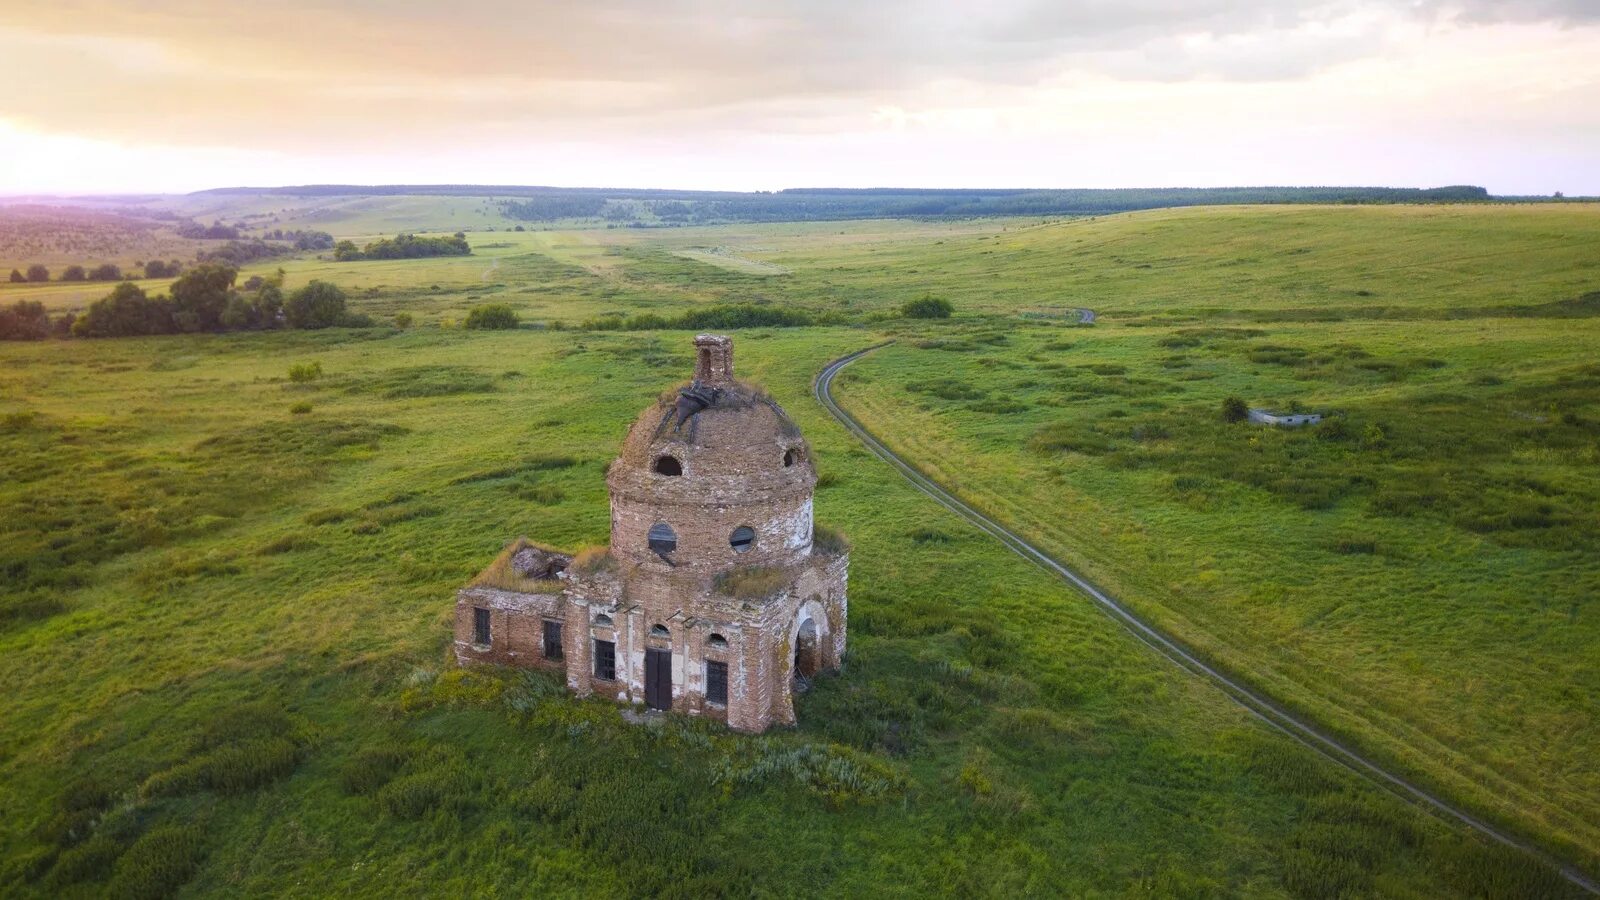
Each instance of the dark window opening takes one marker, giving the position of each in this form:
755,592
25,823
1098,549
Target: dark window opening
742,539
717,682
659,631
662,538
602,621
480,625
790,457
717,641
552,639
668,465
605,660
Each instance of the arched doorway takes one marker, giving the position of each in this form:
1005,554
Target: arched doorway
807,654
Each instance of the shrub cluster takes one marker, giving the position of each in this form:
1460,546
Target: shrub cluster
493,316
24,320
927,307
237,253
302,240
404,246
216,231
742,315
155,268
74,272
203,299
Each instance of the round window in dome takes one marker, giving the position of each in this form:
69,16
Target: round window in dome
742,539
668,465
662,538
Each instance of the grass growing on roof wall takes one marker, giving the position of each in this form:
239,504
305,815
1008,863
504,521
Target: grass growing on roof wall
226,623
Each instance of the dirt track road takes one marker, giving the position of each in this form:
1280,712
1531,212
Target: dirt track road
1258,704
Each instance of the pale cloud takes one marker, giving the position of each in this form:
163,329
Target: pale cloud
838,92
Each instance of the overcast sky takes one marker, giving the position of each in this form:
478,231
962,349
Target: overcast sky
168,95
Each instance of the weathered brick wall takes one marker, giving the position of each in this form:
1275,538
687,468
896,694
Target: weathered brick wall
783,531
516,630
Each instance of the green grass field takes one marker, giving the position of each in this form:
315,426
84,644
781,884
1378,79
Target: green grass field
225,624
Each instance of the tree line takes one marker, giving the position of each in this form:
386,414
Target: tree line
404,246
203,299
235,252
37,273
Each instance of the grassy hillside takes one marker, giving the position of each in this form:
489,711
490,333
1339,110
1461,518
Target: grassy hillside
225,622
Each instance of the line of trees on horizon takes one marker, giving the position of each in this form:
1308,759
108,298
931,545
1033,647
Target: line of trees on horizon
202,300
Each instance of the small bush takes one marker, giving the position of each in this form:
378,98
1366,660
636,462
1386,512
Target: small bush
300,409
158,863
1234,410
402,320
304,373
317,305
927,307
492,316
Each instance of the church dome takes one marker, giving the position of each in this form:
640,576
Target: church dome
714,456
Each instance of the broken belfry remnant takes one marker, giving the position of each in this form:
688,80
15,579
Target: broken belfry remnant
716,596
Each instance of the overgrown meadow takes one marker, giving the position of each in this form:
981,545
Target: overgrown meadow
225,632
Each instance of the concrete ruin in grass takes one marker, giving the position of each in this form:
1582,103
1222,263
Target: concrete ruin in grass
713,599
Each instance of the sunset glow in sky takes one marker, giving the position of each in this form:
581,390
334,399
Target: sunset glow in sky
176,95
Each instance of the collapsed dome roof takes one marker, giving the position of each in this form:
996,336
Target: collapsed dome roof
718,427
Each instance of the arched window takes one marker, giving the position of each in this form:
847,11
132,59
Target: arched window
668,465
717,642
659,631
742,539
662,538
602,621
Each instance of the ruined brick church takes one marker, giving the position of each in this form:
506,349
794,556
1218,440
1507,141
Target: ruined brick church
717,596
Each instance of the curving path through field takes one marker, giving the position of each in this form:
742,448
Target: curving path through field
1258,704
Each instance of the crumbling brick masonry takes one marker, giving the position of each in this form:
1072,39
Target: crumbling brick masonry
713,598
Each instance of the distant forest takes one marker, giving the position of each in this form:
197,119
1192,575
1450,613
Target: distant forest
668,207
